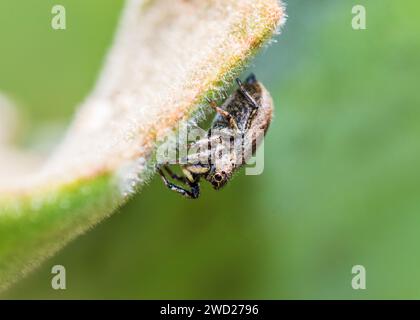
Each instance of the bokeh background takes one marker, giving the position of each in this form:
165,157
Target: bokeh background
341,185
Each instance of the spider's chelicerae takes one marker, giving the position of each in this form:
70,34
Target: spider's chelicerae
237,129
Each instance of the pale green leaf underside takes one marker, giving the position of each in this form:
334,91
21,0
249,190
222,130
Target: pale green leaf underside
166,57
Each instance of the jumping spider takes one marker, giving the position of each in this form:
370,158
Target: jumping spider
246,114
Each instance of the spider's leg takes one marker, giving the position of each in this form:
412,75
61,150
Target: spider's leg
246,94
250,100
250,117
195,190
193,194
198,169
227,115
175,176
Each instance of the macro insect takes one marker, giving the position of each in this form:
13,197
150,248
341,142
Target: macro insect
245,117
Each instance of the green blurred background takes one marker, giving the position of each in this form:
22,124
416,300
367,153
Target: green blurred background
341,181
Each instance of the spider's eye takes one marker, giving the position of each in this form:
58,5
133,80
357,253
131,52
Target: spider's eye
218,177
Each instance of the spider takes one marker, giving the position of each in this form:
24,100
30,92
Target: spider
246,114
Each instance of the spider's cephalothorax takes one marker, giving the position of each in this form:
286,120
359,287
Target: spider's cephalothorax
237,129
